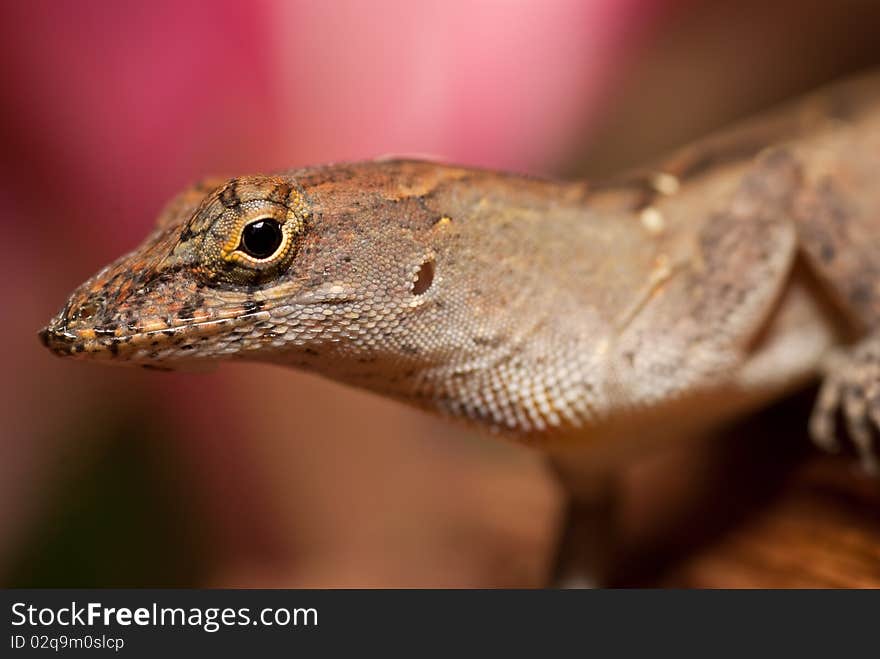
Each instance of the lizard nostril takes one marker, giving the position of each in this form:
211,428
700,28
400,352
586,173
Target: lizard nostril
424,278
86,311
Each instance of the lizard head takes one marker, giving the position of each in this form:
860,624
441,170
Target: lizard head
319,268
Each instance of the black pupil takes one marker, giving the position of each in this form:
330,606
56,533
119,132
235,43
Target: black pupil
260,239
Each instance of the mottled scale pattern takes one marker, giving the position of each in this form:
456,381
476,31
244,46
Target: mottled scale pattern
539,309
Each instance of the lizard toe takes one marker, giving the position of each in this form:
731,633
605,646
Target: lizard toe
822,421
858,426
851,390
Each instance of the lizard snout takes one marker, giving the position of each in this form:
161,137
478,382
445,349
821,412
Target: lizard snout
59,341
71,332
64,341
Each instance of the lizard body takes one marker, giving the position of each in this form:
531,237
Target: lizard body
572,316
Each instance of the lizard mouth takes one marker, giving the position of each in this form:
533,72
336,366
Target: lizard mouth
60,343
156,341
64,342
87,342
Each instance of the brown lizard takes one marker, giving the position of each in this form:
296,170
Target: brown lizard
584,319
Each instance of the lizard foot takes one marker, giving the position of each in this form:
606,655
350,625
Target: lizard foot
851,391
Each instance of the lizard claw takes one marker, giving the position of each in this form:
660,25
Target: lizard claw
852,390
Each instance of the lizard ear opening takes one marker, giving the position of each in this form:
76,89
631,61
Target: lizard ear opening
424,278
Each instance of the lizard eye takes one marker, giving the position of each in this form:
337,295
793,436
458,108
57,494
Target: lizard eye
261,238
252,228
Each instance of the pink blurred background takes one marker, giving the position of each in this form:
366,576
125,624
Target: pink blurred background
261,476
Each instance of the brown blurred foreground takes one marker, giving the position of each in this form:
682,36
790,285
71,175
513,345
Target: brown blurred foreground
821,531
754,508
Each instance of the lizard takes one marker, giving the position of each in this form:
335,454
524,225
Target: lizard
588,320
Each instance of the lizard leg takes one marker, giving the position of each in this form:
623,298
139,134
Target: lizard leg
851,389
586,544
837,215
